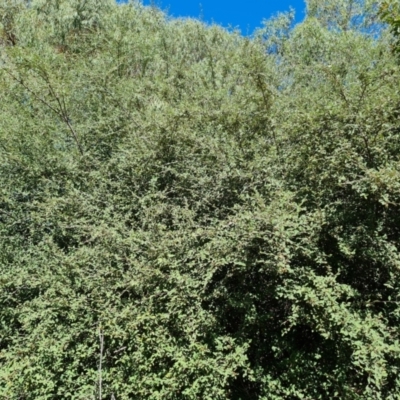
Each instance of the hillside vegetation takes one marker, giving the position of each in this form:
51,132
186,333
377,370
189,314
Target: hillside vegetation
190,214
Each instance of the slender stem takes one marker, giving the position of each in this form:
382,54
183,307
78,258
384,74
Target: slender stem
61,112
21,82
64,115
100,383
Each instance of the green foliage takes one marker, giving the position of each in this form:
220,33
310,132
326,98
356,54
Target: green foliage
189,214
344,15
390,13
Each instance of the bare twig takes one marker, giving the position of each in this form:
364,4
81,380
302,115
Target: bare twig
63,113
119,350
100,383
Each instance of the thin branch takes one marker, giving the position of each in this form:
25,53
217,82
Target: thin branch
119,350
64,114
336,84
100,383
61,113
369,155
21,82
261,85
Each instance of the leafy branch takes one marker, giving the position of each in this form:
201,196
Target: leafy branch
61,111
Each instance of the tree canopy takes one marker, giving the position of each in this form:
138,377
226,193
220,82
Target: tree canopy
186,213
390,13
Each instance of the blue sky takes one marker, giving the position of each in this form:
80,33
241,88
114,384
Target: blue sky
247,15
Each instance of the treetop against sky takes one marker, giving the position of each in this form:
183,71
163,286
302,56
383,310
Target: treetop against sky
247,15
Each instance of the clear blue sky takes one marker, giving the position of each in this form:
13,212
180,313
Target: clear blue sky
247,15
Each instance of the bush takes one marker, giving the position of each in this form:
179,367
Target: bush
186,213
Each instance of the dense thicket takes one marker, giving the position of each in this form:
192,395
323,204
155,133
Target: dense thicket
186,213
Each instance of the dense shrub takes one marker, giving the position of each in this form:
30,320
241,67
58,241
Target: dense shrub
186,213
